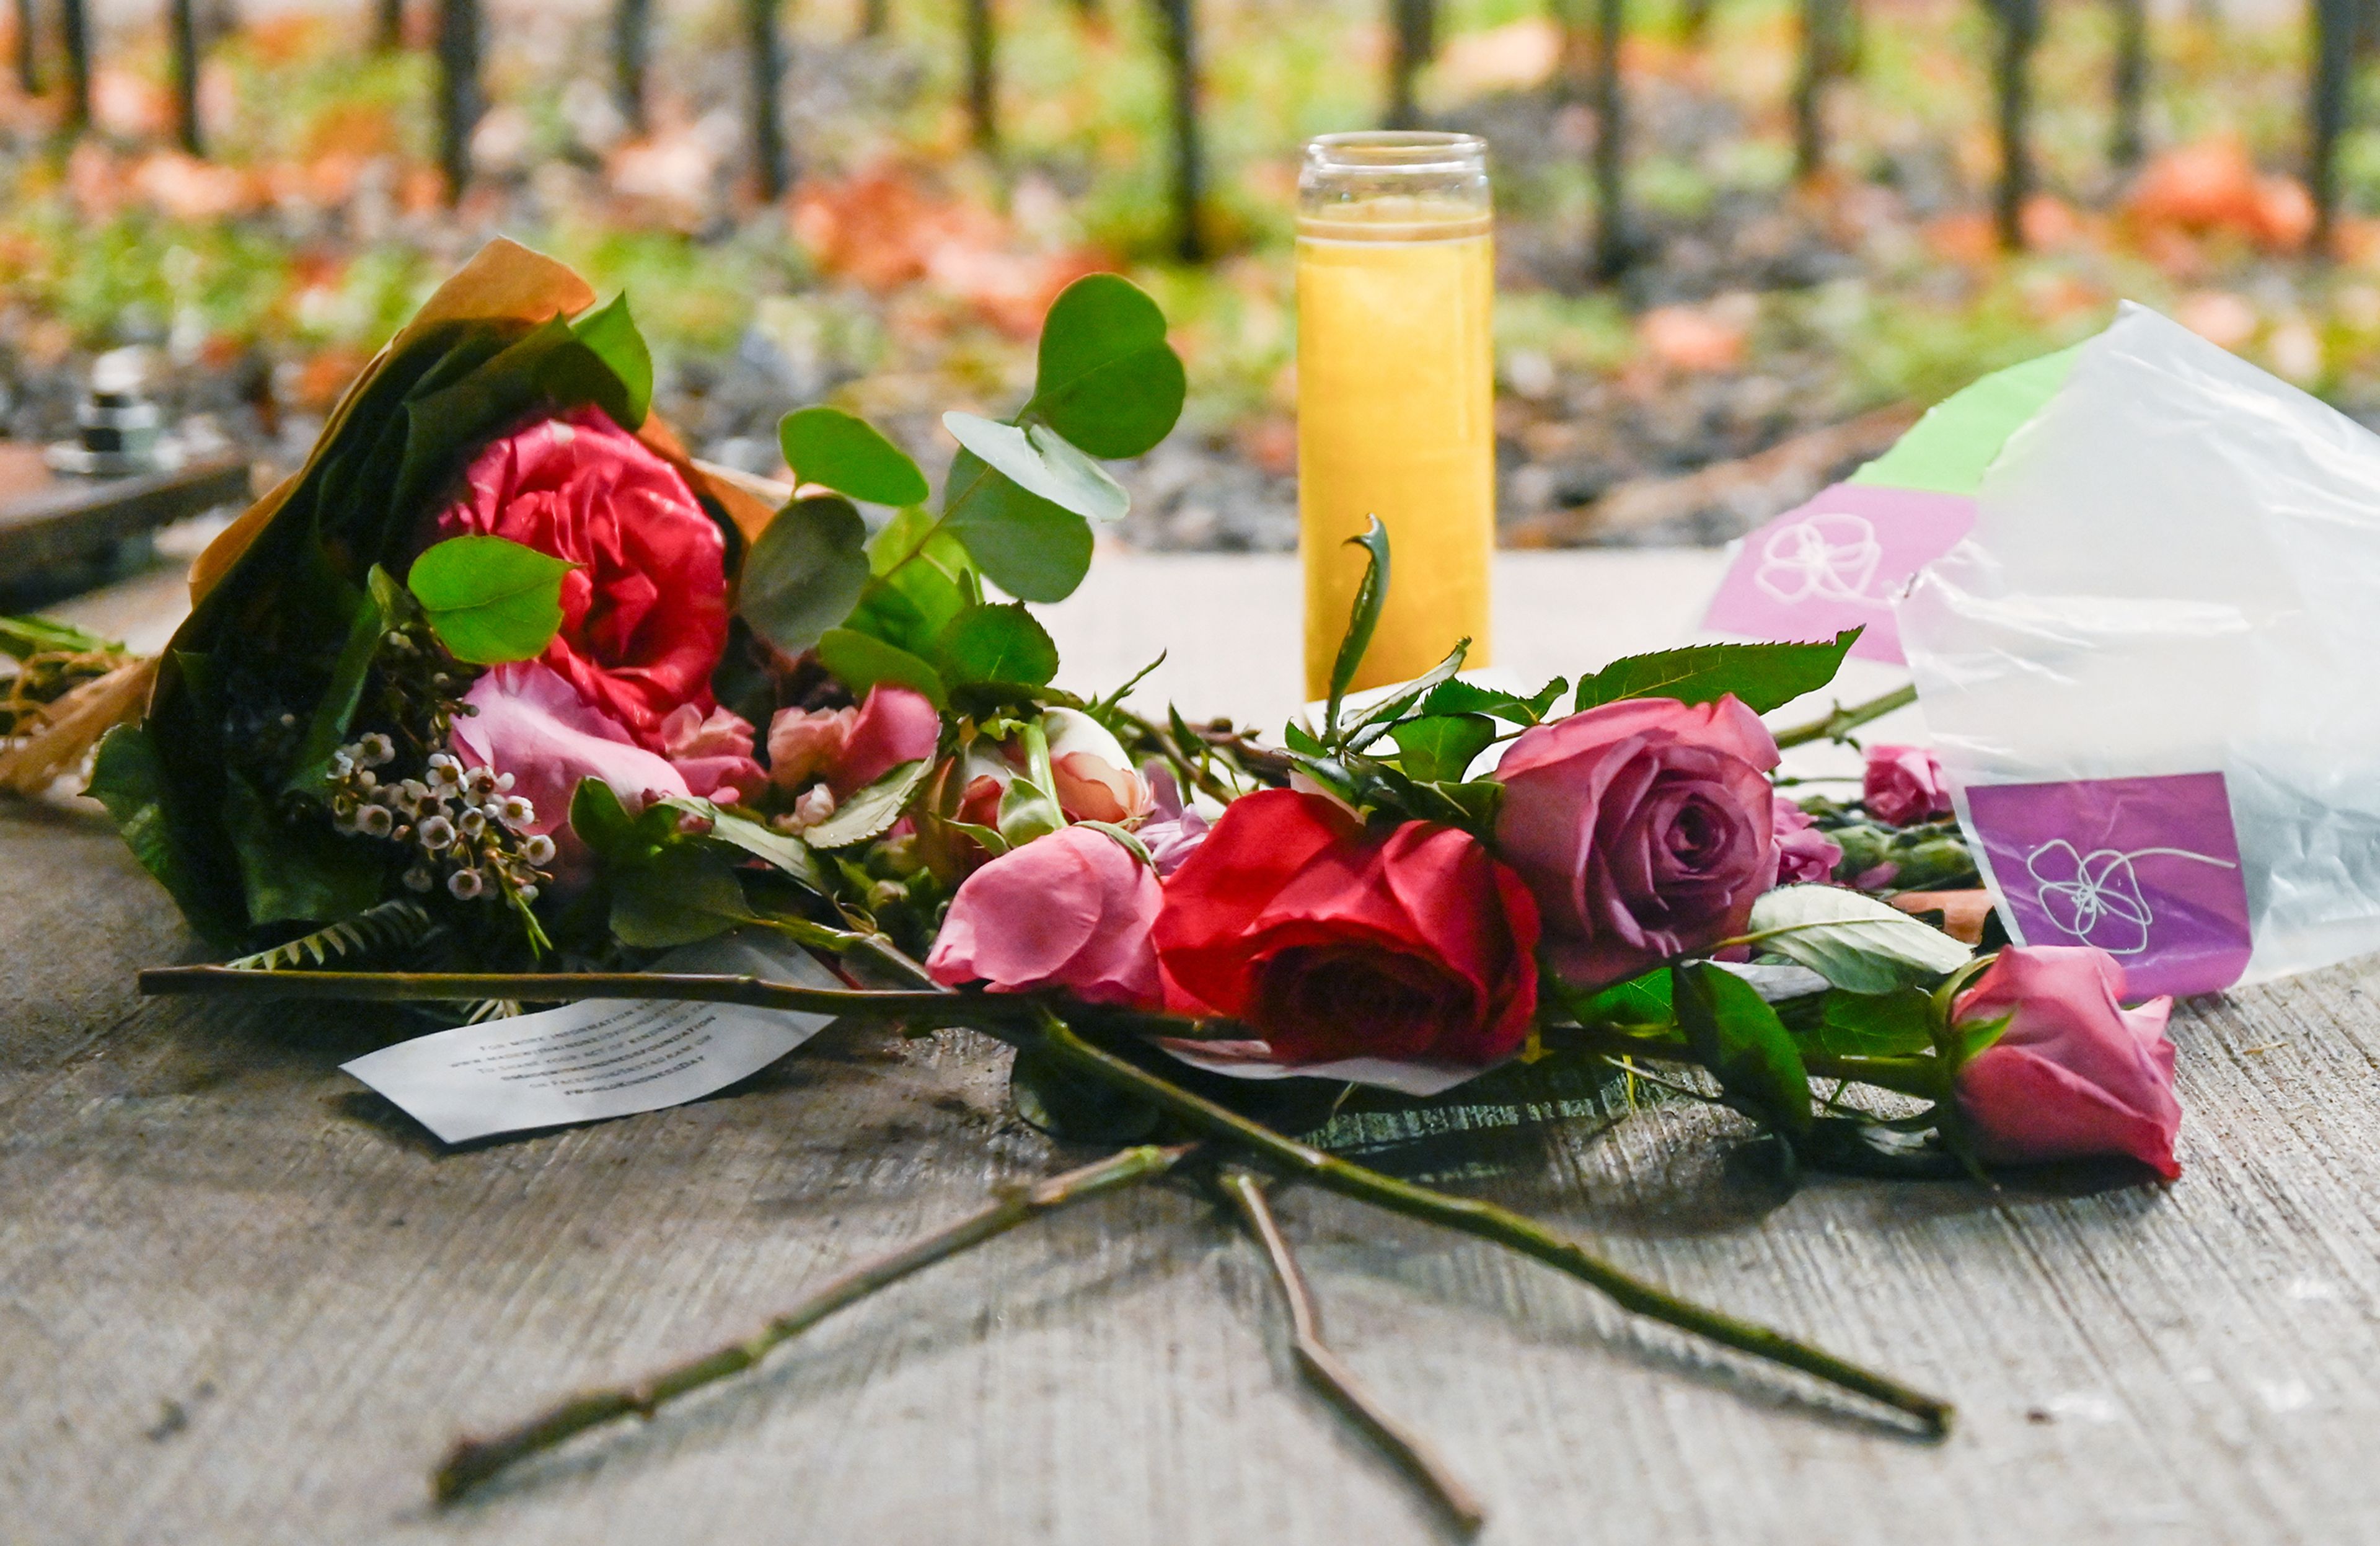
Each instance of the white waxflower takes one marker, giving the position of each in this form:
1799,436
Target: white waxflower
445,774
478,784
342,763
437,833
375,820
538,850
465,884
375,749
515,811
526,893
471,822
503,784
365,780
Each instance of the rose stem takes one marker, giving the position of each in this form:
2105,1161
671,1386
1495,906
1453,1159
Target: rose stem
1323,1368
475,1460
940,1004
1489,1221
1841,722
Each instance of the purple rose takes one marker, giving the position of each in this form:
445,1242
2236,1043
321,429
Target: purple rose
1905,785
1644,828
1804,855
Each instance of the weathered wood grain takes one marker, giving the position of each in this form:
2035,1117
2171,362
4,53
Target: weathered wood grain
244,1300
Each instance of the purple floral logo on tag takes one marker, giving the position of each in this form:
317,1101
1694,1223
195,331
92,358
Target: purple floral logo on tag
1837,563
2147,868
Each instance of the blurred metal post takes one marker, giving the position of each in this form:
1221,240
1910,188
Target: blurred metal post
631,36
74,32
2126,141
183,24
458,89
766,50
388,25
1413,39
2334,59
983,80
1612,243
2020,31
29,48
1180,20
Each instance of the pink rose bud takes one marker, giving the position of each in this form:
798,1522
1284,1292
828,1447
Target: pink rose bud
2075,1075
804,743
1905,785
1804,855
895,725
1069,910
1642,827
1096,780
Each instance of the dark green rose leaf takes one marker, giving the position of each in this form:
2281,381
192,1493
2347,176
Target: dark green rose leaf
1073,1109
1765,677
805,573
1436,748
1738,1036
860,661
611,335
1463,698
680,894
1033,549
828,445
1108,380
1042,463
1001,643
489,600
1897,1023
869,811
1369,725
1363,618
1640,1001
781,851
1854,941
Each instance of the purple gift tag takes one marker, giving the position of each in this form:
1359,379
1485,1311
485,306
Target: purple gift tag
1835,562
2147,868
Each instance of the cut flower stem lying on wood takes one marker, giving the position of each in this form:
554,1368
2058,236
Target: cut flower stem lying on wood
1028,1023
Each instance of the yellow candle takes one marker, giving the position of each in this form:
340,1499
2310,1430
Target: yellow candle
1395,394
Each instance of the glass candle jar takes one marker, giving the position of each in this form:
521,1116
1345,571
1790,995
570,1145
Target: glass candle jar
1396,393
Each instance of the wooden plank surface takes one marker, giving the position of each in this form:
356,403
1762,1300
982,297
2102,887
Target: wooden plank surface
242,1299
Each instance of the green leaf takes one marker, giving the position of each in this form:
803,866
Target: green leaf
297,870
489,600
1072,1108
128,780
1002,643
1640,1001
1370,724
1108,380
1897,1023
335,709
1042,463
1735,1035
599,820
1029,547
611,335
1454,697
781,851
1854,941
1299,739
21,637
1363,618
1765,677
1855,1145
681,893
871,810
847,454
805,573
860,661
1436,748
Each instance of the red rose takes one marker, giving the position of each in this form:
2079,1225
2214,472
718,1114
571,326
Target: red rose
1332,943
644,616
1645,828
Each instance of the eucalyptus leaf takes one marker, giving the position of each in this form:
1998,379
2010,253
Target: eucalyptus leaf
1765,677
848,454
1738,1036
1434,747
1854,941
860,661
871,810
1108,380
1043,463
996,643
805,572
488,599
1035,550
610,335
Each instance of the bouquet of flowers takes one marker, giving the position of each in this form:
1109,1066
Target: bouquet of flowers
501,696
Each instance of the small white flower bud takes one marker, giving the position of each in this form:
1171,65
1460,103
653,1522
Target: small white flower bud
538,850
437,834
465,884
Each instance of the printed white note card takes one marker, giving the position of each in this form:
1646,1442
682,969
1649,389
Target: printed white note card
601,1058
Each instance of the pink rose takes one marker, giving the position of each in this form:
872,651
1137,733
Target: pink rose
1644,828
851,749
1804,855
1094,779
644,615
713,752
1070,910
532,724
2075,1073
1905,785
